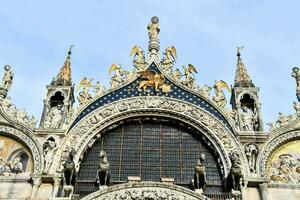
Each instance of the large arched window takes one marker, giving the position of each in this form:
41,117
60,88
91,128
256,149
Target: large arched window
152,149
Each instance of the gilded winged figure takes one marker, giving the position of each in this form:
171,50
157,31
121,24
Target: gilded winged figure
153,79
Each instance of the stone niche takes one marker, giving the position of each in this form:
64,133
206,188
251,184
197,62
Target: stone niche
283,165
15,166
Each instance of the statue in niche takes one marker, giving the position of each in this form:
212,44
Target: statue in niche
7,77
219,97
57,116
69,171
103,173
153,28
169,59
49,148
138,58
189,76
251,151
200,173
99,89
84,95
247,118
236,174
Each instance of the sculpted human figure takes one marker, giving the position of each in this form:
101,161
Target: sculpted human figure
153,29
7,78
57,116
247,119
49,147
282,119
99,89
296,75
251,151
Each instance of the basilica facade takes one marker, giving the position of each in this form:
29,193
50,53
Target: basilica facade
155,134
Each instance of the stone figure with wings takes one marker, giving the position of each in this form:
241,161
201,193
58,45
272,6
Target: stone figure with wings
153,79
170,56
219,98
189,76
138,57
84,95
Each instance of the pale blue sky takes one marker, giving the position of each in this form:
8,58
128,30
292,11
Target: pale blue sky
35,36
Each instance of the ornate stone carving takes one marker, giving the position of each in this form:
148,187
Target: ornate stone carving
19,115
219,97
84,95
54,117
145,191
296,75
138,58
49,147
99,89
84,132
251,151
169,59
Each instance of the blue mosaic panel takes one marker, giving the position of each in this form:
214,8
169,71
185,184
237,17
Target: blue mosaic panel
131,90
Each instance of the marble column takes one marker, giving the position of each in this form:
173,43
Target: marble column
36,184
264,191
56,185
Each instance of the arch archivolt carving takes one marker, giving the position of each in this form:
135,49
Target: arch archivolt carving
145,190
30,142
86,132
271,145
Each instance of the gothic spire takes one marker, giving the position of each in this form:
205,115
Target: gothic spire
242,78
64,76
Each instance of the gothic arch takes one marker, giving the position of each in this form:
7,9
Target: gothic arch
87,130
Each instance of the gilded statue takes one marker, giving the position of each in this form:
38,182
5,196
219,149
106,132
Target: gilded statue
177,75
117,78
170,56
219,97
7,77
205,90
153,79
189,76
153,28
84,95
138,57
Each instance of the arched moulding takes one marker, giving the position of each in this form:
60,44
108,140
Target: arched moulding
276,140
84,133
145,190
28,140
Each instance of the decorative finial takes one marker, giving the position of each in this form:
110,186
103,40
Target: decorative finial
153,31
296,75
238,51
70,50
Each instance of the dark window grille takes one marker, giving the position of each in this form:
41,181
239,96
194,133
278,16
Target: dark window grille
149,149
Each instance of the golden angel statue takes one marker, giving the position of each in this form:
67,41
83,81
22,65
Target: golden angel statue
219,97
153,79
117,78
153,28
84,95
7,77
189,76
99,89
138,57
170,56
177,75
